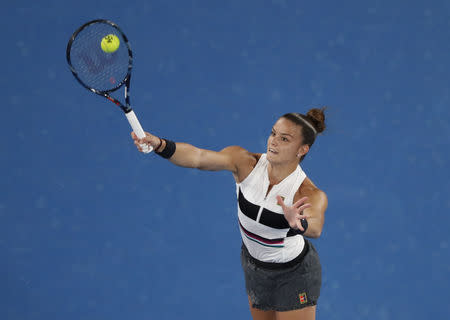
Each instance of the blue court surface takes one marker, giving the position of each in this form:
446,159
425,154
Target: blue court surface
91,229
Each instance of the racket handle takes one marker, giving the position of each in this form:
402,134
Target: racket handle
137,128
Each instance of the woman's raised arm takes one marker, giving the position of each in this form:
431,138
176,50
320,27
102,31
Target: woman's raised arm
186,155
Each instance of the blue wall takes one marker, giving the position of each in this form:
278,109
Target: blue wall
92,229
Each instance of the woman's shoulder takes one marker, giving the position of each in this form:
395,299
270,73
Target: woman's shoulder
310,190
250,159
243,155
245,161
256,156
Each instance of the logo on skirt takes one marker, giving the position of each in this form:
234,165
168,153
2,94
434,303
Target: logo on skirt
303,298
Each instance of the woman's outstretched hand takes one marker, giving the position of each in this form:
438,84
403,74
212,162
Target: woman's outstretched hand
294,214
149,140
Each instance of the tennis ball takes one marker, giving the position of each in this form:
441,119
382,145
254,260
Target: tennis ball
110,43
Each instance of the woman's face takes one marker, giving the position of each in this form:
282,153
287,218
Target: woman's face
285,142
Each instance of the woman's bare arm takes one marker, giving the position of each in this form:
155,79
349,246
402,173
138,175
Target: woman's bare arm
316,213
233,158
310,203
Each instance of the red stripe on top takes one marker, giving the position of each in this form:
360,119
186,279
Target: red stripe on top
259,238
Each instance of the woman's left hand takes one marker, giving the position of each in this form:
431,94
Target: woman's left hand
294,214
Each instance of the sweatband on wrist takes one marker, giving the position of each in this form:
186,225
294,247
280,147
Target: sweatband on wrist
304,223
168,150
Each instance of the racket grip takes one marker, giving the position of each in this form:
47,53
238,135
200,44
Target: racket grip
137,128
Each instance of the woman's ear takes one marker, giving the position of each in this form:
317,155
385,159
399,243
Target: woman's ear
304,149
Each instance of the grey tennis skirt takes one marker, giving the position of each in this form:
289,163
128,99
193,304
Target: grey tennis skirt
283,286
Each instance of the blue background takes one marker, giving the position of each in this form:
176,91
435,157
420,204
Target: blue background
92,229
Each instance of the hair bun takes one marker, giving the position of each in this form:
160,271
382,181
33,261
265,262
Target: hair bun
317,118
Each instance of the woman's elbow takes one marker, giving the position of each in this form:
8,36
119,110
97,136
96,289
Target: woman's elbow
313,233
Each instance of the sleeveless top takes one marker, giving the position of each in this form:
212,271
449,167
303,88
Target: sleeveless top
264,229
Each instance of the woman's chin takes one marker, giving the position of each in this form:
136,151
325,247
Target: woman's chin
270,156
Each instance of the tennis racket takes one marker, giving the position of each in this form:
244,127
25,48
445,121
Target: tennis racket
104,72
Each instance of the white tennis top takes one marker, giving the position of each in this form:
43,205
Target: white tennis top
264,230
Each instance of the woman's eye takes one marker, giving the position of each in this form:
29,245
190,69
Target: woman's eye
272,133
284,139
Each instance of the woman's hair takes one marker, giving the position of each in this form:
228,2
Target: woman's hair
312,124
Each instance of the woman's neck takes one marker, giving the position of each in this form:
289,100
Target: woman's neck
278,173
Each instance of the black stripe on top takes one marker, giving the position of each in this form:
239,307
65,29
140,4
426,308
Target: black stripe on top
247,208
268,218
273,219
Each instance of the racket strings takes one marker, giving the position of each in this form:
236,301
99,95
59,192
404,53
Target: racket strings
96,68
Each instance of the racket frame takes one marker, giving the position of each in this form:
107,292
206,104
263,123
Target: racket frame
132,119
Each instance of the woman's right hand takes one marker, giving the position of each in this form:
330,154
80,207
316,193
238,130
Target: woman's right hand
149,140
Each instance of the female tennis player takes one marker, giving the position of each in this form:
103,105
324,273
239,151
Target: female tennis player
278,206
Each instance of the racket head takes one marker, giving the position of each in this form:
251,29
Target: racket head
96,70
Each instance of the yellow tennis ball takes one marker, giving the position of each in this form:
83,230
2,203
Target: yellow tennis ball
110,43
